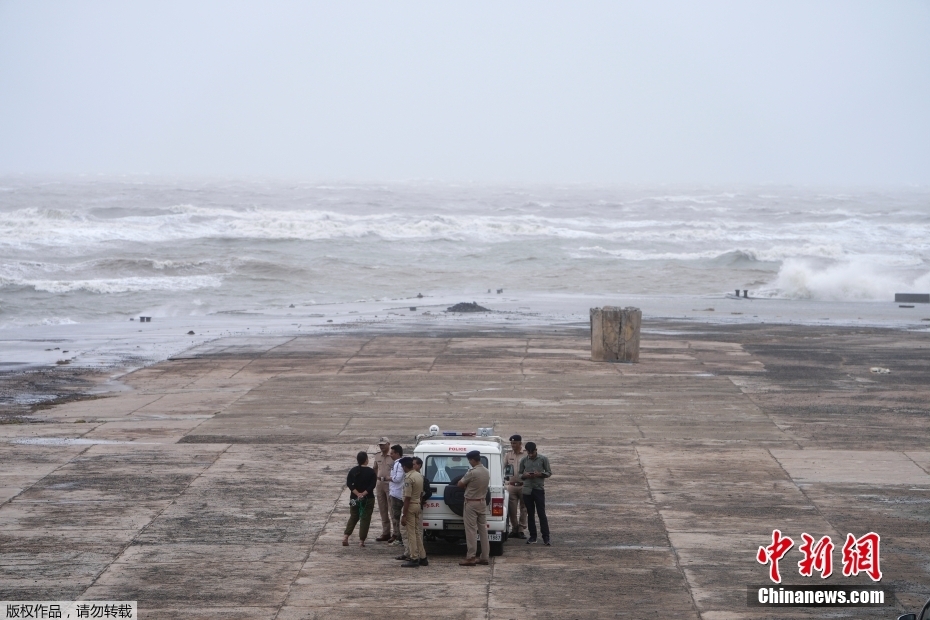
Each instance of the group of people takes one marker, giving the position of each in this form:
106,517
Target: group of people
396,484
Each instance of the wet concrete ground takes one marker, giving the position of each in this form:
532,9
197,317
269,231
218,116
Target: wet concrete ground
214,489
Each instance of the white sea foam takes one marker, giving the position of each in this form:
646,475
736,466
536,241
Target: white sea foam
13,270
185,222
93,249
853,280
57,320
585,252
774,254
61,228
120,285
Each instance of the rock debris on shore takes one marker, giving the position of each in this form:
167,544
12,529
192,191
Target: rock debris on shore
467,307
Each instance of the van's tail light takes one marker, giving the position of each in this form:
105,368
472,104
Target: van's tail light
497,507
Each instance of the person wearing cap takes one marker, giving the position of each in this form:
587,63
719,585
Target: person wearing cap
476,482
534,469
516,507
396,490
417,467
410,515
382,464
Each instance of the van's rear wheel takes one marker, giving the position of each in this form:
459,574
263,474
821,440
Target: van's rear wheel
497,548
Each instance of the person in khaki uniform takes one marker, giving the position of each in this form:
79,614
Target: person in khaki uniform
410,516
418,467
382,463
516,507
476,483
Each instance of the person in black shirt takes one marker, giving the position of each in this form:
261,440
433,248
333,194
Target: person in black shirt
361,482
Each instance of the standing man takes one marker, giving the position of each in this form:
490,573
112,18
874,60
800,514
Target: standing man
534,469
417,467
396,491
515,504
382,465
410,516
476,483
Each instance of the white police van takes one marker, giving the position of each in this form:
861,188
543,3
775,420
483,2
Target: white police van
444,463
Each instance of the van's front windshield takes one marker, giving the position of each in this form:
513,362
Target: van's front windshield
444,469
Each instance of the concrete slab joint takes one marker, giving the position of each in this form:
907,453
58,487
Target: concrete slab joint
241,515
615,334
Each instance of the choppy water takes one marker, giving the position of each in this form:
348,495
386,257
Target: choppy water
86,250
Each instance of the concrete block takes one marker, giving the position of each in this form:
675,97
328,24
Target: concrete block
615,334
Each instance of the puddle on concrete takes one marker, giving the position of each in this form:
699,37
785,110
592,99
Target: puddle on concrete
31,399
111,385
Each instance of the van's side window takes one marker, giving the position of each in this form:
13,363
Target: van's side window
443,469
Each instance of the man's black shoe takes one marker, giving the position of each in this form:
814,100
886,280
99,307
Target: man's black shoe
547,543
531,540
519,535
424,562
411,564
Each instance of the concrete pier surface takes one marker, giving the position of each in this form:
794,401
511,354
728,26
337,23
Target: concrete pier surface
215,487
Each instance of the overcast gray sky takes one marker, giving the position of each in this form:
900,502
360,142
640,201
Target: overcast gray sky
599,91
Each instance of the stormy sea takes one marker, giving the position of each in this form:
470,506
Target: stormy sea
82,258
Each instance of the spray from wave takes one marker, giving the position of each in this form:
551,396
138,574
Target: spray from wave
853,280
88,250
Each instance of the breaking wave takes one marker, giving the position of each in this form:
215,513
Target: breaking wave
105,249
852,280
32,226
118,285
76,229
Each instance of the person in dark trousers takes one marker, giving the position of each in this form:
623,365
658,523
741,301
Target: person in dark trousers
361,482
396,491
382,464
534,469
